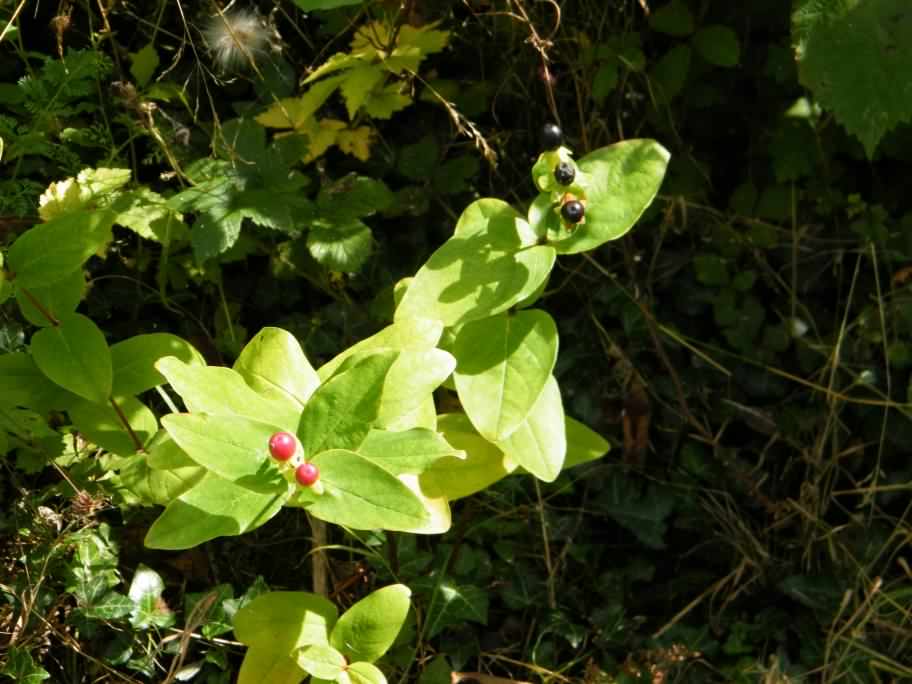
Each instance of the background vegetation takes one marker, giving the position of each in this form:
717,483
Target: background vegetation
747,347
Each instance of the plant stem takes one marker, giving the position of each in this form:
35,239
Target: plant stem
126,423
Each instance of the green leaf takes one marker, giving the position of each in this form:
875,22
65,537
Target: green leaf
51,251
342,410
367,629
149,609
490,263
358,84
21,668
284,621
605,81
321,661
222,392
583,444
673,18
852,55
343,248
454,478
412,378
539,444
234,448
386,101
58,299
148,215
410,451
274,365
623,181
360,494
23,384
418,160
365,673
669,74
642,509
503,364
263,664
213,508
143,64
352,197
134,360
137,481
101,423
406,334
453,604
75,355
718,45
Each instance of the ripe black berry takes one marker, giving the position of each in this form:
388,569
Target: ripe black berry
573,211
564,173
551,136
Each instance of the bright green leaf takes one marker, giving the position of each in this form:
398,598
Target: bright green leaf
134,360
321,660
234,448
223,392
57,299
75,355
148,215
143,64
503,364
454,478
51,251
213,508
149,609
358,84
412,378
367,629
284,621
360,494
365,673
583,444
539,444
274,365
101,423
411,451
343,248
263,664
342,410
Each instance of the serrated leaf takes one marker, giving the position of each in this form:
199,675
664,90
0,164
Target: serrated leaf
358,84
718,45
212,508
51,251
57,299
134,359
851,55
298,111
356,141
75,355
503,364
368,629
386,101
148,215
352,197
143,64
343,247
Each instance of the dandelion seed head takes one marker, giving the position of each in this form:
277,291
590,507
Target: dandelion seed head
236,39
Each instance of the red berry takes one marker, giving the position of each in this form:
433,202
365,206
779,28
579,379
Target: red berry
282,446
306,474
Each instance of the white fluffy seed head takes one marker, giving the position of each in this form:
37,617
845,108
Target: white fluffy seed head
236,40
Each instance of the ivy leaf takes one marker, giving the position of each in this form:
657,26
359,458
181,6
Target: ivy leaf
852,55
452,604
22,668
149,609
643,510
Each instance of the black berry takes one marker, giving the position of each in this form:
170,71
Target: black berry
551,136
573,211
564,173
